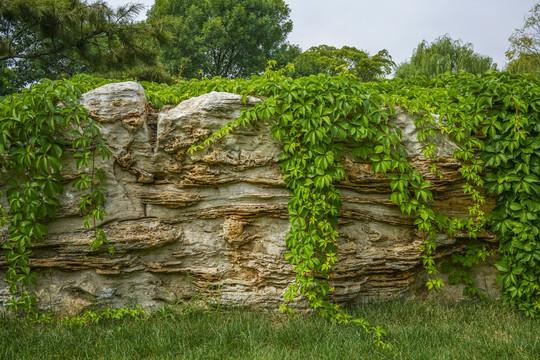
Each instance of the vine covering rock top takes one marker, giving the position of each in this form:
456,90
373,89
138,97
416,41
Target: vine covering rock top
494,118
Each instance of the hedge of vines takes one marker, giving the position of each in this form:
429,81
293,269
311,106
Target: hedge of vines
494,118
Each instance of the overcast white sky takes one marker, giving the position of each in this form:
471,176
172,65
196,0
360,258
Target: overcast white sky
400,25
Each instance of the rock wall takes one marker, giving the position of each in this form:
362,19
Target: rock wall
214,224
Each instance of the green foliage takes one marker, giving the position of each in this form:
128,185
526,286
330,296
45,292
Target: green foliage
460,264
31,150
330,60
524,51
312,118
171,310
444,55
221,37
286,54
94,317
494,118
501,111
524,64
314,115
52,39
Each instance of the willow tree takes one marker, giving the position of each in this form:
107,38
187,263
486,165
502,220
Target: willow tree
46,38
444,55
524,51
227,38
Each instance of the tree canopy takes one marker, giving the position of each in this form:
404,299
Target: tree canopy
444,55
328,59
227,38
524,51
49,39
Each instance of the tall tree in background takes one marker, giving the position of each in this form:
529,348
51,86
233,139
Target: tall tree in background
444,55
524,52
286,54
54,38
228,38
328,59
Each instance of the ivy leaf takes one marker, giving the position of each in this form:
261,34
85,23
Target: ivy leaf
502,267
515,206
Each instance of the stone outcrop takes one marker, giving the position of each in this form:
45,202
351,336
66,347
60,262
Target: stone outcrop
214,224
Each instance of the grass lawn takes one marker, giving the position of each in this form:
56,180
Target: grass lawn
417,330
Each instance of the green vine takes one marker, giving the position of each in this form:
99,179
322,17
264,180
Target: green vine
314,116
496,118
460,264
320,120
31,151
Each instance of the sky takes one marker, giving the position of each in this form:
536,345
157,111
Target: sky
400,25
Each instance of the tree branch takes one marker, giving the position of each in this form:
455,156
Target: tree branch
54,50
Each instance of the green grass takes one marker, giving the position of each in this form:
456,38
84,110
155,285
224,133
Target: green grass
417,330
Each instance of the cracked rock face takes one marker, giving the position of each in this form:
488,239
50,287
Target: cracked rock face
214,224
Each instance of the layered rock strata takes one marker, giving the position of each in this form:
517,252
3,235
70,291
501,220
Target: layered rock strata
214,224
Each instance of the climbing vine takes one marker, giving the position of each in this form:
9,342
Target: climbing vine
320,121
31,151
496,118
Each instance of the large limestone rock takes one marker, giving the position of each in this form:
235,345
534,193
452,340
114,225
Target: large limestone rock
215,223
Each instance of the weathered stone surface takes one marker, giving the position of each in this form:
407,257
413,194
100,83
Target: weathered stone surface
215,223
